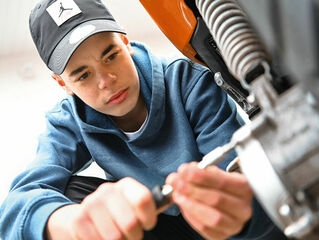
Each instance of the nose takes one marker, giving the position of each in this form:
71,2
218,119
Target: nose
106,79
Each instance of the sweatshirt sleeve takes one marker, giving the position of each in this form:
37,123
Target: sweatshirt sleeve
38,191
214,119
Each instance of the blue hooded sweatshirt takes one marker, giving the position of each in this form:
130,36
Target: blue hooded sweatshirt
188,116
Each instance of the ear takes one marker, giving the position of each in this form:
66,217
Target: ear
58,79
127,43
61,82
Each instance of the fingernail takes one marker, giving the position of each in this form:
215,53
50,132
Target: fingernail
179,198
170,178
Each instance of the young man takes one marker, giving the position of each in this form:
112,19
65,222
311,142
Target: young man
140,118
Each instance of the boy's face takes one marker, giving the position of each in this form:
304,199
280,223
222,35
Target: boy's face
102,74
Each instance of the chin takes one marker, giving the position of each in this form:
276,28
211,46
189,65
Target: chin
122,109
120,112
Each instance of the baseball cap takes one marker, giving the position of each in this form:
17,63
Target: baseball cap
58,27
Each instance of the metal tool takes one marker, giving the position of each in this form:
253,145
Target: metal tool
162,194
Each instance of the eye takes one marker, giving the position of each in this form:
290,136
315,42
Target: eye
83,76
111,57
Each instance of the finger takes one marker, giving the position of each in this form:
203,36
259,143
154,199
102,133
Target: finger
207,219
141,200
239,208
213,177
123,214
208,234
95,208
85,230
83,226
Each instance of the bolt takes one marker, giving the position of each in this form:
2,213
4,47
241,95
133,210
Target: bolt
218,79
285,210
301,196
251,99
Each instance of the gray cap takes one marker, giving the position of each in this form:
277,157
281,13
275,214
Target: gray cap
59,27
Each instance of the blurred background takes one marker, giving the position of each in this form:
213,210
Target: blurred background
26,88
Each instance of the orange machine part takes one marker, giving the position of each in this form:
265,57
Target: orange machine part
176,21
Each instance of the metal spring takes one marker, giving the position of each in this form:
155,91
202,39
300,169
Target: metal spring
239,45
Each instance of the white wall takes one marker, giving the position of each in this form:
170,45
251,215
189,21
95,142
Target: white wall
26,90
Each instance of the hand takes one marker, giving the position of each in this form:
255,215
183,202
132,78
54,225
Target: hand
215,203
114,211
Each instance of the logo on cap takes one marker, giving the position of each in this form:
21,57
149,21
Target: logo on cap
63,10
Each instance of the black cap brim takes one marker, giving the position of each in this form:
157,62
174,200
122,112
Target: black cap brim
66,47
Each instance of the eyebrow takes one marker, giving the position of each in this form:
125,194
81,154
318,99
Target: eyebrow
80,69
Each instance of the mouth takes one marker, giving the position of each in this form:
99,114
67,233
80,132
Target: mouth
118,97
